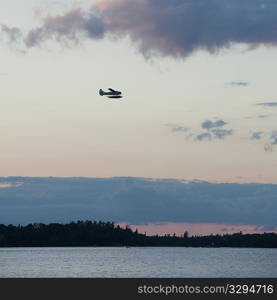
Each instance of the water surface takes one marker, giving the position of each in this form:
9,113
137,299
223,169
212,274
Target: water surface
138,262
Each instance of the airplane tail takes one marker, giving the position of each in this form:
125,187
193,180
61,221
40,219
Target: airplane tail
101,92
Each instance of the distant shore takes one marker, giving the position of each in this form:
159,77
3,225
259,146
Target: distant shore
107,234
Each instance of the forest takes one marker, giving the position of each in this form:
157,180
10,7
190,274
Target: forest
108,234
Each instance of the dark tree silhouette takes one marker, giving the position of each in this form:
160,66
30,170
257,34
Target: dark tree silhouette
88,233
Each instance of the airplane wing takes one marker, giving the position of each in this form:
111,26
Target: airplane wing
112,90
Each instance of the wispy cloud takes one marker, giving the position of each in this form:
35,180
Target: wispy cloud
274,137
221,133
257,135
196,228
269,137
179,129
70,26
272,141
169,28
10,184
204,136
263,116
210,124
270,104
239,83
12,33
213,131
189,136
268,147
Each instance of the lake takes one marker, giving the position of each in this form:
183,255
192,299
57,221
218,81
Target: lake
137,262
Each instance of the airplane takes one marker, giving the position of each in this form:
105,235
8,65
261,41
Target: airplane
112,94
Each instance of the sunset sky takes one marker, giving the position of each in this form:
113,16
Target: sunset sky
198,80
55,123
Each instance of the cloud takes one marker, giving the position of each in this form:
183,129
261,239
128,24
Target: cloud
189,136
12,33
203,136
162,228
210,124
213,131
274,142
256,135
263,116
175,28
270,104
239,83
268,147
10,185
274,137
271,138
221,133
179,129
136,200
70,26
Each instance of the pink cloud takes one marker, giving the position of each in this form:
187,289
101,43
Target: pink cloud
10,185
173,28
195,228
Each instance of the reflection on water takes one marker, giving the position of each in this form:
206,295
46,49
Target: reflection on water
138,262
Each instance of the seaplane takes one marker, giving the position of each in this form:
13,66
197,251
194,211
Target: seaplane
111,94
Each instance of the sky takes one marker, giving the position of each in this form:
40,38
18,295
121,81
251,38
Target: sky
150,205
197,78
177,66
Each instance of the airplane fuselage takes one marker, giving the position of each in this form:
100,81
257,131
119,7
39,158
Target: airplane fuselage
111,93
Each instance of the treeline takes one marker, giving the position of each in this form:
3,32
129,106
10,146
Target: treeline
87,233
